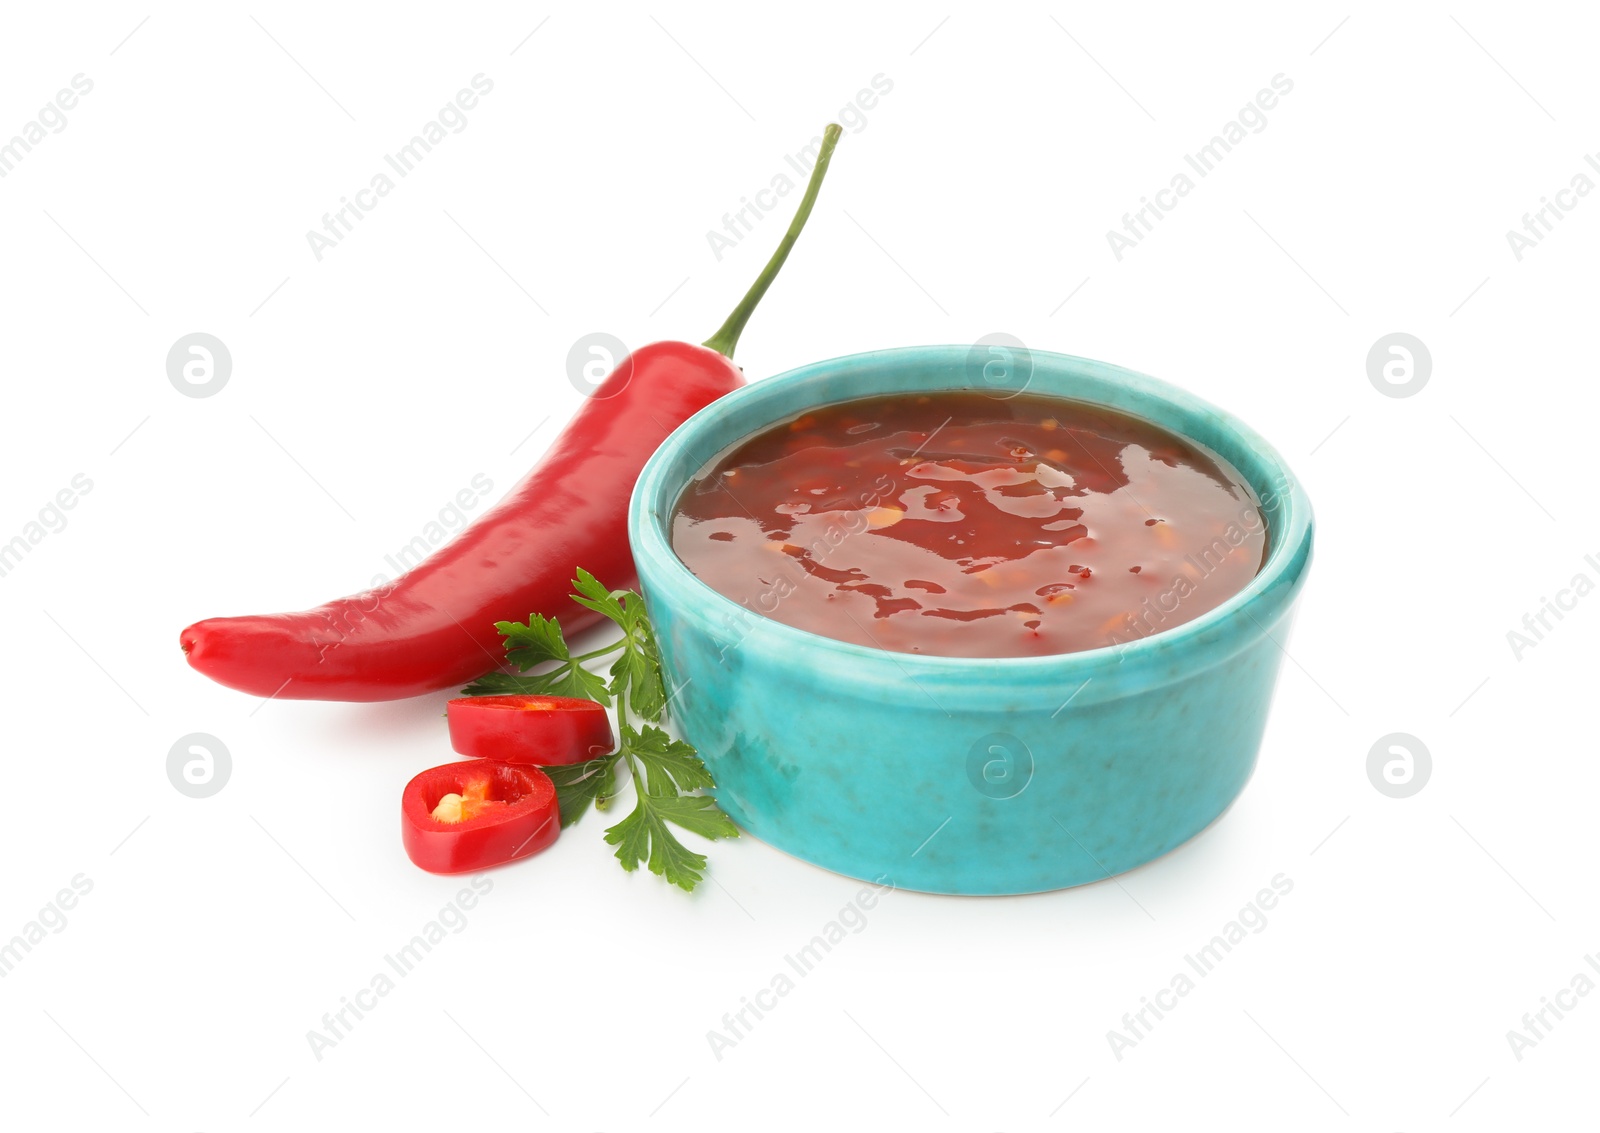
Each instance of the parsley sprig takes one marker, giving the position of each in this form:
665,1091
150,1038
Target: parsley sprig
667,774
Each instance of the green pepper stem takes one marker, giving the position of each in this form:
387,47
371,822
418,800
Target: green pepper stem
727,337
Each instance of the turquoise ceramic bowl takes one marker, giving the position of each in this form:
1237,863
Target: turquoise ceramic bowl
955,775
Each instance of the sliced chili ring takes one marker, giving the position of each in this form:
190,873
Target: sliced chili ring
477,813
544,731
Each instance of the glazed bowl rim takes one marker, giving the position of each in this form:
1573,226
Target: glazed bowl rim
1289,527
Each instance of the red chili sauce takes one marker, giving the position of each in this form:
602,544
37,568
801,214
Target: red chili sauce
960,525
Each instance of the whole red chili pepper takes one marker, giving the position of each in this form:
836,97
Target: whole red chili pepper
434,626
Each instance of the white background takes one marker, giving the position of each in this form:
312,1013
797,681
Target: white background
369,387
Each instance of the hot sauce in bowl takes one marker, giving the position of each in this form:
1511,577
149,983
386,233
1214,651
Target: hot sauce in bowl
957,524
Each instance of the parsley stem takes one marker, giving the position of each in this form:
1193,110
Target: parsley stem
622,744
593,653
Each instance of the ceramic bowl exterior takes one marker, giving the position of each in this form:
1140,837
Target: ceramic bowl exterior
961,775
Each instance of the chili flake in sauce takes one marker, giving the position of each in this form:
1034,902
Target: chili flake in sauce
960,525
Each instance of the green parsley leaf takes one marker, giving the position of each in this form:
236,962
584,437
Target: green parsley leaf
638,669
697,813
664,771
644,837
595,596
571,679
671,766
637,672
501,684
579,784
538,640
